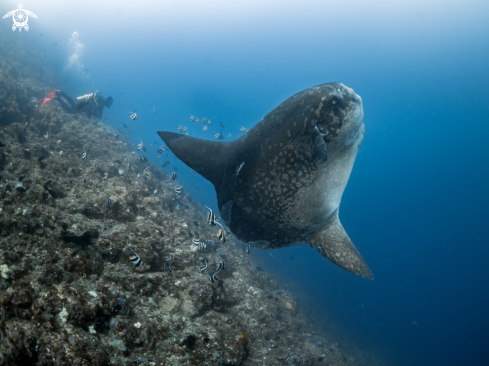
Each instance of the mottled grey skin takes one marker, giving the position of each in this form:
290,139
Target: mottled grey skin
287,191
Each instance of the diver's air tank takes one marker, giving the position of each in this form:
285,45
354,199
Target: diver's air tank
84,99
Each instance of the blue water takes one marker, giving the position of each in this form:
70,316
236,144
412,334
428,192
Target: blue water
417,203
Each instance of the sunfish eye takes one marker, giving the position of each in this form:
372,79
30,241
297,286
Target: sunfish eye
321,128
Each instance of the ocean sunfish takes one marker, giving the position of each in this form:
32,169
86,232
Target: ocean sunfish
281,183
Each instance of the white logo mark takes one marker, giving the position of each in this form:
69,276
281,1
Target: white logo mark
20,17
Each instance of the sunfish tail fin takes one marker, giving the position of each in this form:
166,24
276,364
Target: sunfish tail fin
333,242
208,158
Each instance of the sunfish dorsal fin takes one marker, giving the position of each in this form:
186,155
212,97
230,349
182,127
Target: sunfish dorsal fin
333,242
208,158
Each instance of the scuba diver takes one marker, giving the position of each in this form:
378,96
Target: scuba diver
90,104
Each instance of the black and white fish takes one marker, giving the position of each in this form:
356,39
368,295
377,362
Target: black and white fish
204,267
192,118
84,156
160,149
136,259
244,130
197,120
211,217
94,164
106,176
109,202
168,262
220,266
221,234
195,241
213,278
173,176
140,146
202,245
204,128
146,174
248,249
218,136
178,190
133,116
181,128
209,122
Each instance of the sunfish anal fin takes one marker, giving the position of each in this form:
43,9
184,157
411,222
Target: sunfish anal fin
333,242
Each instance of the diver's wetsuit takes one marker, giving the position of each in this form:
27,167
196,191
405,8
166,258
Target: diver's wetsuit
93,107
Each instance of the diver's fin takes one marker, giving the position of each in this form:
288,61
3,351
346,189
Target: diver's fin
333,242
208,158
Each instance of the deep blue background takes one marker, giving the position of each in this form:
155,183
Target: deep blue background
417,203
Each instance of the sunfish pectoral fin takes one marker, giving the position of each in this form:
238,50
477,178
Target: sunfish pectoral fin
333,242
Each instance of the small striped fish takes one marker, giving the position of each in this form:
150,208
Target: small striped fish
133,116
84,156
168,262
140,146
204,267
178,190
136,259
244,130
221,234
213,278
211,217
204,128
220,265
173,176
146,174
161,149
